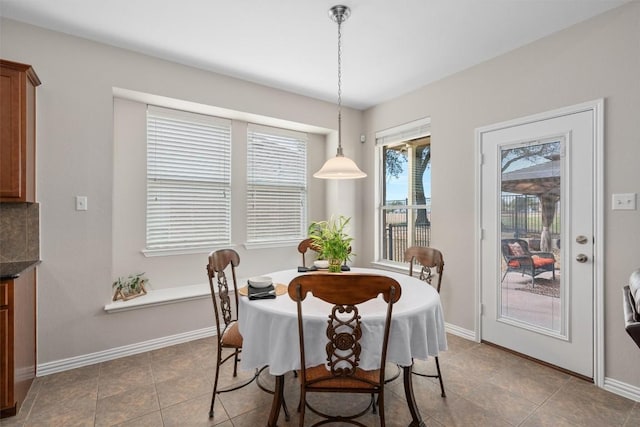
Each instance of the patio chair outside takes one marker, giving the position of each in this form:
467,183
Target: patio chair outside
519,258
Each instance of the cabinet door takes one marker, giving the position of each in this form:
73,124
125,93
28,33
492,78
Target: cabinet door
12,138
6,348
17,132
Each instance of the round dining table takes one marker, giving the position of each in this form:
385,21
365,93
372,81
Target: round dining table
270,331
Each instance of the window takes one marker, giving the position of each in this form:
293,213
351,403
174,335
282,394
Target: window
276,185
188,181
405,198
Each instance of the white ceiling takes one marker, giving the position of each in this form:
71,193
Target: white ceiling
389,47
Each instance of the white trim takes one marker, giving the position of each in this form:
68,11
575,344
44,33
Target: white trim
117,352
478,236
598,213
597,108
399,132
155,297
622,389
178,104
185,251
460,332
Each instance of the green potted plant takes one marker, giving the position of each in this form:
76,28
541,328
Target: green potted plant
332,241
130,287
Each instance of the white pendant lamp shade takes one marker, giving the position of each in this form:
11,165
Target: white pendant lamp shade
339,167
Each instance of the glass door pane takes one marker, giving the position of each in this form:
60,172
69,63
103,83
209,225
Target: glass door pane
530,230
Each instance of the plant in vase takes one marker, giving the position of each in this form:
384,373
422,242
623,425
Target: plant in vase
130,287
332,241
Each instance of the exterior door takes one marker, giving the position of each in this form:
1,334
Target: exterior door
538,237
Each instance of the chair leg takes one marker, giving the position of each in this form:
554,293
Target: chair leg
215,384
381,405
301,406
287,417
235,363
443,394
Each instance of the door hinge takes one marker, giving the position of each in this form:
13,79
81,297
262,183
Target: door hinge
481,309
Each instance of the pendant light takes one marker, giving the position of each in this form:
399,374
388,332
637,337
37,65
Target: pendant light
339,167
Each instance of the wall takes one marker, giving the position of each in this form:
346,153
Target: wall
76,157
599,58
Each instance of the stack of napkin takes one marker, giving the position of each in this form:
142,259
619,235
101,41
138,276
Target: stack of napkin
267,292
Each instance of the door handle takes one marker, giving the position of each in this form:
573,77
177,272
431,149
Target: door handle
582,258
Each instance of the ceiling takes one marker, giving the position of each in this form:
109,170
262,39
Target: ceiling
389,47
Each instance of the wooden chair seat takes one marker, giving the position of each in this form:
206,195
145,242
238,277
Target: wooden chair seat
231,337
320,377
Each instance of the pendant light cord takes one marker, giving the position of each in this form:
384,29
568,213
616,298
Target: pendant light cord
339,19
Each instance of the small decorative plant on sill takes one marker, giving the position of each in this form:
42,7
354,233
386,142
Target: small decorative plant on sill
130,287
333,243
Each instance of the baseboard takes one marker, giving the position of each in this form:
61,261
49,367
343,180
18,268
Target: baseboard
622,389
117,352
461,332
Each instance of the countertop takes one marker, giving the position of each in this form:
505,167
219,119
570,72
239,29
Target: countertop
11,270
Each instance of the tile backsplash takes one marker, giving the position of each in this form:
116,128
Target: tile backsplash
19,232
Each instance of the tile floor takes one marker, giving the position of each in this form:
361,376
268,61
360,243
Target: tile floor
171,387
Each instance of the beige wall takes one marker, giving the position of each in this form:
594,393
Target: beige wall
82,252
599,58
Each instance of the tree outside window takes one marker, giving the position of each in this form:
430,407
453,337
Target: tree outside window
406,210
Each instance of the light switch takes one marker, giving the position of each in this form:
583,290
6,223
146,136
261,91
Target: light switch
81,203
624,201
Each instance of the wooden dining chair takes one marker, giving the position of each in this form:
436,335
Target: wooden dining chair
342,373
304,246
226,314
427,259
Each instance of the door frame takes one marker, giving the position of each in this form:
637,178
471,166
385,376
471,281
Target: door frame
596,107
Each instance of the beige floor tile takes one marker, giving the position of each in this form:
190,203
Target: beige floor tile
512,407
535,382
586,405
153,419
546,419
113,367
56,397
73,375
194,413
634,416
126,406
114,382
180,389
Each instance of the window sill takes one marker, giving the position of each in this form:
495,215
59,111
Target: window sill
160,297
272,244
392,266
169,252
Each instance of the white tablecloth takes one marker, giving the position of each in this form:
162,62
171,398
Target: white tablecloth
270,329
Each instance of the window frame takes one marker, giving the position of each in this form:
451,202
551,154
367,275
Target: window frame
391,137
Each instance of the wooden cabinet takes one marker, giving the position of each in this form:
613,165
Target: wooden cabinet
17,132
17,340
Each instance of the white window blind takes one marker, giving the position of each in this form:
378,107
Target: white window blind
276,185
188,181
